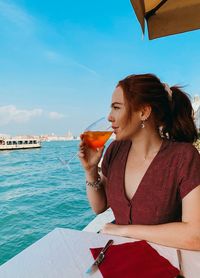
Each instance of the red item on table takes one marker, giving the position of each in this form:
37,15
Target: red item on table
134,260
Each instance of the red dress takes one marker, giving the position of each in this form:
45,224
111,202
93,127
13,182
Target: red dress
172,174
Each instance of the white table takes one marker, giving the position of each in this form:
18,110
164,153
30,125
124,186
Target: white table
64,253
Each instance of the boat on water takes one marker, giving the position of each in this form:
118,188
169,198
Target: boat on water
16,143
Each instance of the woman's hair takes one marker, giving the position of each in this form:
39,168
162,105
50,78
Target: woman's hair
171,108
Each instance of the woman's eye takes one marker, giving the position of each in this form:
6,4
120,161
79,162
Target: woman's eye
115,107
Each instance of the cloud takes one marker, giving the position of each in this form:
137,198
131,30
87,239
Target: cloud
55,115
11,114
15,14
86,68
52,56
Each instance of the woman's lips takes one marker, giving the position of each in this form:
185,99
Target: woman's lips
114,129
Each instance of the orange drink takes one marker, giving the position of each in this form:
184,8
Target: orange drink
96,139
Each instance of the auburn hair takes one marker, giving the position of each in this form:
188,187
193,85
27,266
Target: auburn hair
173,113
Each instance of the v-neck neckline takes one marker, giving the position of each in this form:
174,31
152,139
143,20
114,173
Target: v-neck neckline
145,174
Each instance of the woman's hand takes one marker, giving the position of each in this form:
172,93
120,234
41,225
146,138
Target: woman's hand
89,157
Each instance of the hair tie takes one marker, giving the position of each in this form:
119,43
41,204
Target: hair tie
168,90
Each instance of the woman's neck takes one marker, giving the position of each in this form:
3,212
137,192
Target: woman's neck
146,147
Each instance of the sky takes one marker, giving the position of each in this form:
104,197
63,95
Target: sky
61,60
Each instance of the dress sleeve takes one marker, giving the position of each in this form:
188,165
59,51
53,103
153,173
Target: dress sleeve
108,158
189,171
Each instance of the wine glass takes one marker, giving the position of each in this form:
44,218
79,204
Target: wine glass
95,136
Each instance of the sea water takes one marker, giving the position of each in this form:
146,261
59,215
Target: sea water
38,194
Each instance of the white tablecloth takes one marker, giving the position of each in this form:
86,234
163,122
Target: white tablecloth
64,253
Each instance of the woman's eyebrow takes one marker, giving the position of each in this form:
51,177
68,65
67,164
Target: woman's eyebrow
116,103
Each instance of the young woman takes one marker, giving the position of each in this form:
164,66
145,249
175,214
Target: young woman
151,172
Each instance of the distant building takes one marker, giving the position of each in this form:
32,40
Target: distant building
53,137
196,107
69,135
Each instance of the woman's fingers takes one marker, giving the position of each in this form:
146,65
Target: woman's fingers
82,144
81,148
100,150
80,154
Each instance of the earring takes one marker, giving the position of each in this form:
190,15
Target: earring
160,129
142,124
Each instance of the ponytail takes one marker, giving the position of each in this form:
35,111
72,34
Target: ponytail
183,128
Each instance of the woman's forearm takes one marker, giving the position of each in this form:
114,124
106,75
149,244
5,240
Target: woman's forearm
97,198
177,234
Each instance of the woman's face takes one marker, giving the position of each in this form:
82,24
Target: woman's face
124,127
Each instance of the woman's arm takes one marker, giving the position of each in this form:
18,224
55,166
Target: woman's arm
97,198
89,159
183,235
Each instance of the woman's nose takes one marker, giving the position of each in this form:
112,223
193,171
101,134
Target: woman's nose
110,118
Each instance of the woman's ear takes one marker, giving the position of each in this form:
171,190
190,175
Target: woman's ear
145,112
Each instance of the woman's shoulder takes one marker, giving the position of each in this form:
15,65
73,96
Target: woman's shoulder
187,149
